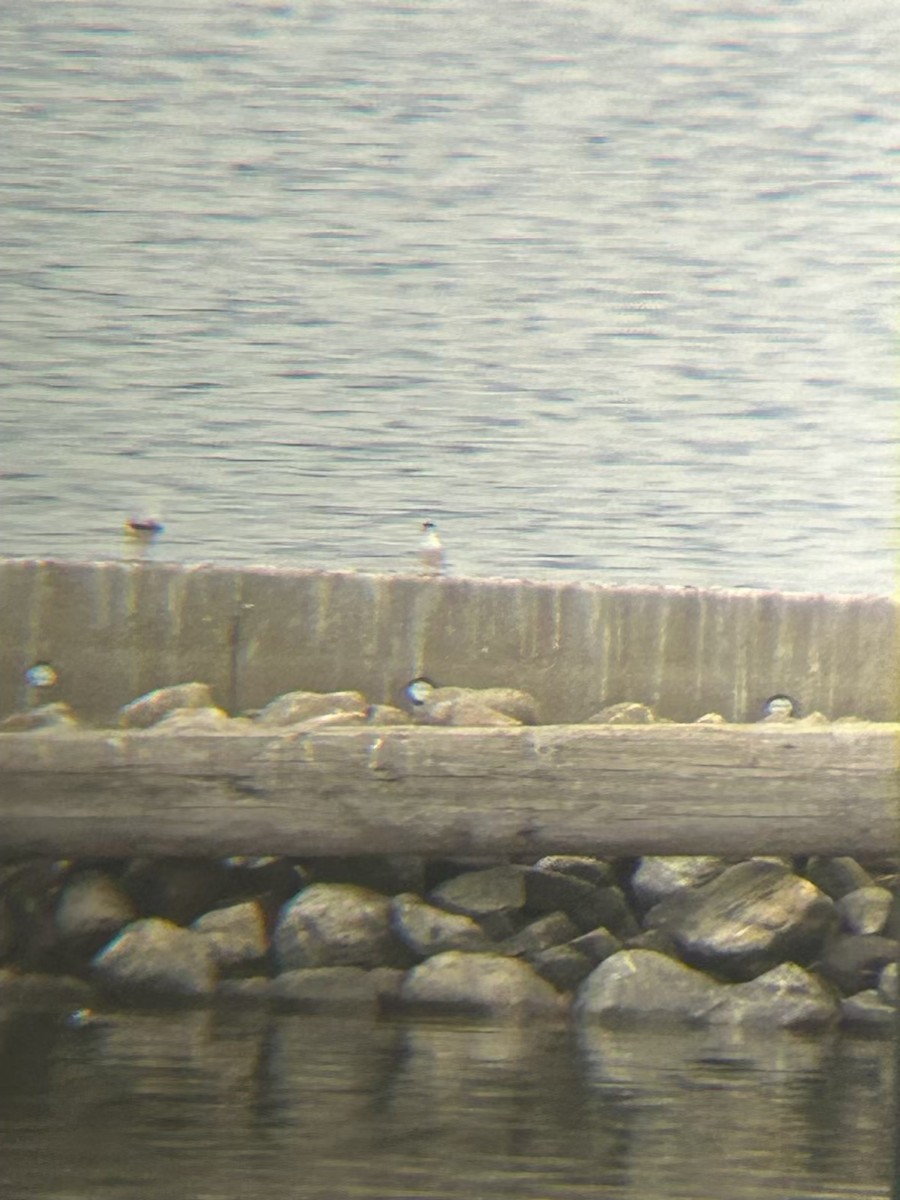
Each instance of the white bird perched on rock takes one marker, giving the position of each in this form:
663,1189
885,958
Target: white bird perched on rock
431,552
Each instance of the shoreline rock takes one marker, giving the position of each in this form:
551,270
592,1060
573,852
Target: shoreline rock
498,939
800,944
191,708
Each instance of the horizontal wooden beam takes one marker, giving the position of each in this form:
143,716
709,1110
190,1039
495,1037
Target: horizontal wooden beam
606,790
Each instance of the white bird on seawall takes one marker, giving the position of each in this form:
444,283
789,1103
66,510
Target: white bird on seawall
431,552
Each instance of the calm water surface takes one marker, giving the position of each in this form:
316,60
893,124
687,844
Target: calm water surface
601,288
230,1106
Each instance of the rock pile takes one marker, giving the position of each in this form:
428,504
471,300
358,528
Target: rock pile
190,708
798,945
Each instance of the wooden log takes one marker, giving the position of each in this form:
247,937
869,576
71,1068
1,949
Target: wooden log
606,790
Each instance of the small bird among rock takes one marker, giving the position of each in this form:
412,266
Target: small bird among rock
41,675
431,552
419,691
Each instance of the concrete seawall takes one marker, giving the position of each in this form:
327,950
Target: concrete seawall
114,630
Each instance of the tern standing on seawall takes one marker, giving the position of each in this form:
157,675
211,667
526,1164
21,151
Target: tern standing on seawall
431,552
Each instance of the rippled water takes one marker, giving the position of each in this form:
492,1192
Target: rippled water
232,1106
602,288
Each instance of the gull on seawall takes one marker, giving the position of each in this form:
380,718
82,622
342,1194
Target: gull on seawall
431,552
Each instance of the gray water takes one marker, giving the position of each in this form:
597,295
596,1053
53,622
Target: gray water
606,289
233,1106
602,288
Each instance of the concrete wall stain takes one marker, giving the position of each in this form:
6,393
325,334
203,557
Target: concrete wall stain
113,630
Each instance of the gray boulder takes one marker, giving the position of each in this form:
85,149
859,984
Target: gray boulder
892,923
154,959
751,917
815,718
597,871
36,990
642,984
326,721
250,990
292,708
388,873
153,706
236,935
888,988
837,876
562,966
45,718
548,890
176,889
625,713
199,721
465,711
552,930
511,702
611,910
653,939
657,877
482,983
427,930
494,897
868,1010
90,909
337,925
388,984
475,706
521,706
27,929
853,962
326,989
267,877
787,997
597,945
587,905
8,932
865,910
387,714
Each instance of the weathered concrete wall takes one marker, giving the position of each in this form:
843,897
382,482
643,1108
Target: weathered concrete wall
114,630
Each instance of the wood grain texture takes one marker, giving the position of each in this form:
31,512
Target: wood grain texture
606,790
